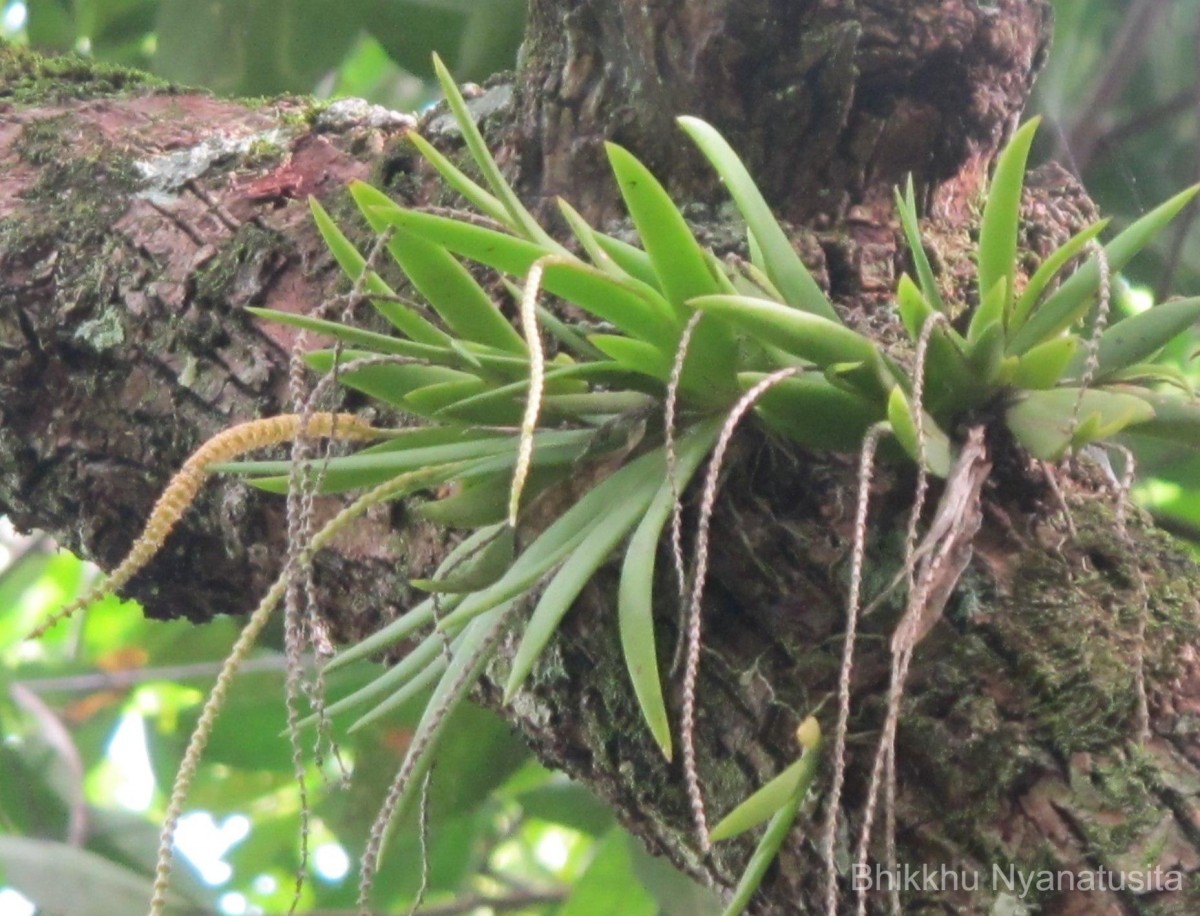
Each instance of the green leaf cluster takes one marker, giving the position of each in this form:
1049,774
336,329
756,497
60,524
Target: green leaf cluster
1026,356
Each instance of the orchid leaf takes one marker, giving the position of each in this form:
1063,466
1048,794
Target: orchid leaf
906,207
1072,299
998,231
1138,337
1048,270
518,215
1050,422
405,319
635,608
1045,365
938,450
783,266
812,411
480,199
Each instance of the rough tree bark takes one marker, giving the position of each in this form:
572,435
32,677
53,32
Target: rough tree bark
137,220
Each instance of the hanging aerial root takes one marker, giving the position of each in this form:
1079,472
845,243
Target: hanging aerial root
417,759
181,491
944,553
685,340
233,662
699,572
1091,363
1124,501
866,473
423,838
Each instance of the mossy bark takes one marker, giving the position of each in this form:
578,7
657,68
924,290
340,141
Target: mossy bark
1017,744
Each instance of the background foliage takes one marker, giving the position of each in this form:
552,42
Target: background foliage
95,718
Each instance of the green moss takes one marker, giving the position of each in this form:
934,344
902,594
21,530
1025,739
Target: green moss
261,154
307,116
82,187
27,79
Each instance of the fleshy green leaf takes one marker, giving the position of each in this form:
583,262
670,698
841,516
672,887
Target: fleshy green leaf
1154,373
484,202
571,378
629,304
812,411
588,240
772,840
774,796
1045,365
683,272
389,383
428,400
390,680
1138,337
808,336
1043,420
634,261
353,264
1175,419
558,540
635,611
418,684
378,343
399,629
484,502
500,250
634,355
454,294
1001,216
678,259
949,382
598,403
472,653
906,207
1048,271
1073,298
990,312
518,215
985,356
614,522
438,461
780,260
938,450
487,563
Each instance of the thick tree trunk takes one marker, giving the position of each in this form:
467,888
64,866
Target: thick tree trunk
136,222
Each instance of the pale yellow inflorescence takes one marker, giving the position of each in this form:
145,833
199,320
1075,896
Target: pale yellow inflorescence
181,491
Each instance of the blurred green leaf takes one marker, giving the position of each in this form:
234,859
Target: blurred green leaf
811,410
938,450
1043,420
906,207
260,47
560,801
1138,337
50,24
475,37
65,879
1071,300
611,866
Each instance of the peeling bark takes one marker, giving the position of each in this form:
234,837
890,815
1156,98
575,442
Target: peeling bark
121,293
